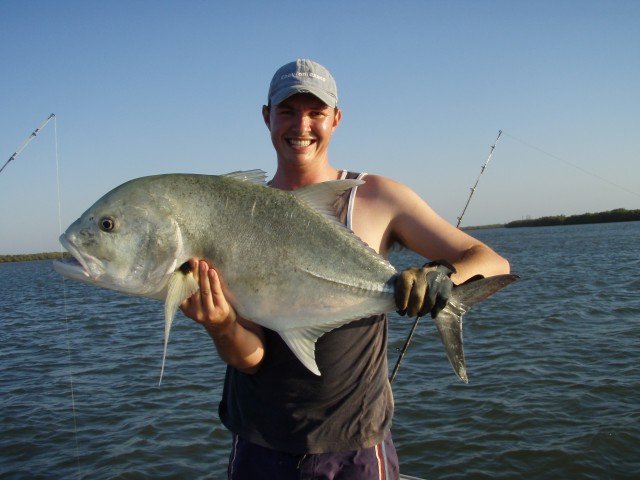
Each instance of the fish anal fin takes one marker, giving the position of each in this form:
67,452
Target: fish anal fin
181,286
302,342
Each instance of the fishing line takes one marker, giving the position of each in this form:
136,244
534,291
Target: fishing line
64,296
15,155
577,167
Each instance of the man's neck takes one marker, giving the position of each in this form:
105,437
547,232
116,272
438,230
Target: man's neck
293,178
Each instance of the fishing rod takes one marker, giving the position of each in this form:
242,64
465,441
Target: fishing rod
473,189
405,347
27,140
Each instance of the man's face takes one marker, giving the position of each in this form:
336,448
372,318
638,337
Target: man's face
301,127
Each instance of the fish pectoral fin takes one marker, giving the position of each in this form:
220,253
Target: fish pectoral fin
302,342
181,286
449,325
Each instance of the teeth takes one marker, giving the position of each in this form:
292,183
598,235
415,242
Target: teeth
300,143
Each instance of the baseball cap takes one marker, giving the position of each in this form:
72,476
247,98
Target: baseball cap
303,76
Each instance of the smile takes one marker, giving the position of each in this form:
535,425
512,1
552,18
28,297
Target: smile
299,143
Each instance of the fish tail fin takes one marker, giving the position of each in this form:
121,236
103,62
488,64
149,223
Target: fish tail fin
449,320
182,285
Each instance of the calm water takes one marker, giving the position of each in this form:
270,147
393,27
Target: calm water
553,363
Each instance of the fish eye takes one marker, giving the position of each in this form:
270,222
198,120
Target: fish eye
107,224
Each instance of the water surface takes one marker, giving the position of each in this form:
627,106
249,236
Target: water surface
553,364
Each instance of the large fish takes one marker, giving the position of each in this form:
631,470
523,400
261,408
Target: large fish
285,261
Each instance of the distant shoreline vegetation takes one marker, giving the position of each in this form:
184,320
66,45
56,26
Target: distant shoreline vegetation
617,215
611,216
27,257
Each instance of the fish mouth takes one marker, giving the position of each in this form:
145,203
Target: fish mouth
76,267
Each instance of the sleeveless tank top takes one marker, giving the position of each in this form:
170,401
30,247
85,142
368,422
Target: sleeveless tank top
287,408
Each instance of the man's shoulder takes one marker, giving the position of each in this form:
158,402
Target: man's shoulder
381,185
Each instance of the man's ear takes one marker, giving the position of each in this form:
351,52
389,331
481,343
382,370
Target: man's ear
265,116
337,117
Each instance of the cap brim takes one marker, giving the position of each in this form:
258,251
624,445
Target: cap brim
285,93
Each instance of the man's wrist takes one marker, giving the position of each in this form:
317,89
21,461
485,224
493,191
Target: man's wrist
222,328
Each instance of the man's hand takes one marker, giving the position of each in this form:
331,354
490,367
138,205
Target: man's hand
208,306
422,290
239,342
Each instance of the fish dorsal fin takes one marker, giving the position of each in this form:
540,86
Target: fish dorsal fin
302,342
181,286
256,176
322,196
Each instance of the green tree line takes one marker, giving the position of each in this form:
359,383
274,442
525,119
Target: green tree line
33,256
617,215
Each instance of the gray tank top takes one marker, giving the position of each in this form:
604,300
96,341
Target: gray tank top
287,408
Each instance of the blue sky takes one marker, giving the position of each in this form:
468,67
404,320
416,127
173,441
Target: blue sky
145,87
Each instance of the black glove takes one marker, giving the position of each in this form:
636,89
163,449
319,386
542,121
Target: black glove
426,289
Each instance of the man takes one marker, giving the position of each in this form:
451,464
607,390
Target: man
287,422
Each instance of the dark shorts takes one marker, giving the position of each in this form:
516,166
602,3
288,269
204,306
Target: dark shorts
249,461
